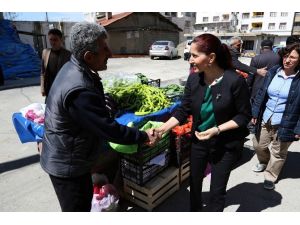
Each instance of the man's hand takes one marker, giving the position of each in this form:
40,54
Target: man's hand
297,136
262,71
43,93
206,135
253,120
153,137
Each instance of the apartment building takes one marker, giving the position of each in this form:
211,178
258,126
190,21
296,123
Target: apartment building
296,25
184,20
214,22
253,27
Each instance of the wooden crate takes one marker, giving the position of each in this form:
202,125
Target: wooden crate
155,191
184,171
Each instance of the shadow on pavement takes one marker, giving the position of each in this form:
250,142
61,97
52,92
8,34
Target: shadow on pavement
16,164
178,202
252,197
20,83
246,156
291,167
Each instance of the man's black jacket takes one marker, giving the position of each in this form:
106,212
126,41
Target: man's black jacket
235,54
77,122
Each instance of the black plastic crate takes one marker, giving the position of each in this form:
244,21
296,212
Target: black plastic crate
180,148
142,173
146,153
175,98
152,82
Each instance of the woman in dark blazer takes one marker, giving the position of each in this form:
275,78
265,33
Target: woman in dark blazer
219,100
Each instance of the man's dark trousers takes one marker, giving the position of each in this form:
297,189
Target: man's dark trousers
74,194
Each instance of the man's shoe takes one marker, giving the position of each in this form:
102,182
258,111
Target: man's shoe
259,167
269,185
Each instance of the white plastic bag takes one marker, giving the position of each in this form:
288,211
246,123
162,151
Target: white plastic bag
34,112
105,199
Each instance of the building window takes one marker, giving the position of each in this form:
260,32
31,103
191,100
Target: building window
225,17
245,15
282,26
205,19
244,27
271,26
216,18
248,45
284,14
188,14
187,24
273,14
258,14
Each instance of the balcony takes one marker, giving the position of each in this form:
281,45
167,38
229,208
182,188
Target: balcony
258,15
297,17
256,27
296,28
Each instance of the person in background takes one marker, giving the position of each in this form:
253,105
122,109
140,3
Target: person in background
266,59
292,40
276,114
77,121
235,51
219,101
52,60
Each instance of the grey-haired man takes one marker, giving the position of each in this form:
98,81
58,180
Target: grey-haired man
77,121
235,48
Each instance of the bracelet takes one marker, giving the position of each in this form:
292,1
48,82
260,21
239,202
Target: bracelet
219,130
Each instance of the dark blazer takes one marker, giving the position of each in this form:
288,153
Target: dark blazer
266,59
239,65
231,101
290,123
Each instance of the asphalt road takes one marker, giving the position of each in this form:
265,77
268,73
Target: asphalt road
24,186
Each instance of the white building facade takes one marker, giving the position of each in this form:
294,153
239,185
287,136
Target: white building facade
251,26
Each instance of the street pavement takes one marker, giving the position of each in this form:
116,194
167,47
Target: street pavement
24,186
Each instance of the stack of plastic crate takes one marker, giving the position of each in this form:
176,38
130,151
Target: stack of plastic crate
140,167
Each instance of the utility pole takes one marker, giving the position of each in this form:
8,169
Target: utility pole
47,17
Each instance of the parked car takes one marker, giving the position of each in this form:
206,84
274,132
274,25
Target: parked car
163,49
277,48
186,51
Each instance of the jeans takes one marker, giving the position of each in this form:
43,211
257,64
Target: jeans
74,194
220,171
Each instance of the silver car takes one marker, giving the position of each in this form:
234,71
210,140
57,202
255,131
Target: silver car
163,49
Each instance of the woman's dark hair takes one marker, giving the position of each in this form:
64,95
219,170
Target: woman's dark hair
287,50
209,43
56,32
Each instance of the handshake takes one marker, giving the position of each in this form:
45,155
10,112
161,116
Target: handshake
154,136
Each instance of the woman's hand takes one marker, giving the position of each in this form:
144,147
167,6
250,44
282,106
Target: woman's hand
206,135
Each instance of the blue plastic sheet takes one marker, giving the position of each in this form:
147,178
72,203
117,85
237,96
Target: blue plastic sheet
18,60
27,130
157,116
